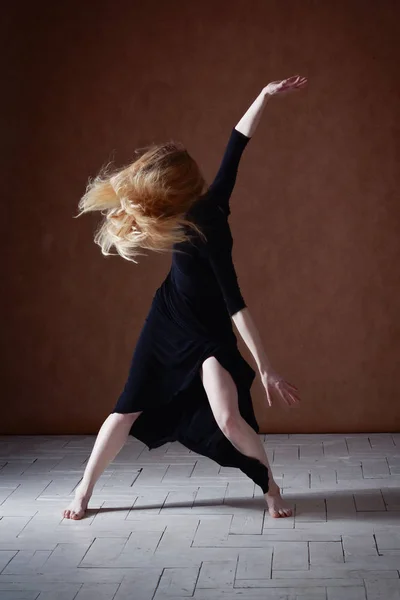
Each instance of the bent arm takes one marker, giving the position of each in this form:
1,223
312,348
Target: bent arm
251,337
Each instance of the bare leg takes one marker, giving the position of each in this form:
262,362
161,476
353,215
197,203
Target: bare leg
110,439
222,394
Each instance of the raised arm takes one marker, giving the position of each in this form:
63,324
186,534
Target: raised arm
248,123
225,179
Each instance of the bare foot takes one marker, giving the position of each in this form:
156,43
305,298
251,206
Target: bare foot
276,505
76,510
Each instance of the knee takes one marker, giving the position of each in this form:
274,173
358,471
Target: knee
125,418
229,423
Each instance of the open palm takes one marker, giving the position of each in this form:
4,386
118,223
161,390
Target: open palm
285,85
285,391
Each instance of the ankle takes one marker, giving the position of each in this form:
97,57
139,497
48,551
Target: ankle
273,488
84,491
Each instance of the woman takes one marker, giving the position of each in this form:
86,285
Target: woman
188,381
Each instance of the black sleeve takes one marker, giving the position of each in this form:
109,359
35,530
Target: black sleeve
225,179
219,252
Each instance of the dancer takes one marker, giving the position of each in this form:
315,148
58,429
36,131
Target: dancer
187,381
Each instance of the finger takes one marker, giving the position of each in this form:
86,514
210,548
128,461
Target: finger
292,386
292,394
287,398
284,397
282,392
300,85
299,80
294,399
293,81
291,391
295,404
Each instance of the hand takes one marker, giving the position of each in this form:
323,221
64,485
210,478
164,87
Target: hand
286,392
286,85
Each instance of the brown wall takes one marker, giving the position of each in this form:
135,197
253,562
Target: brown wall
315,214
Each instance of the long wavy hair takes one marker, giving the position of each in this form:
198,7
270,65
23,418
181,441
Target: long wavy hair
144,204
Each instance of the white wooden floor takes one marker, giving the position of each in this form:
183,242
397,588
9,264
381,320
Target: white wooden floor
170,524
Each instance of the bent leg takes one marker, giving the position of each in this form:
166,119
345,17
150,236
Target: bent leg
110,439
222,394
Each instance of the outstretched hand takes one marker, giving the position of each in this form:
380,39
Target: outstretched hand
285,85
284,390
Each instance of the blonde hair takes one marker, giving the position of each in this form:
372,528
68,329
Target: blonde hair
144,204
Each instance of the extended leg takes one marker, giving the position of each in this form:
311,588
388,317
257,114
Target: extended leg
222,394
110,439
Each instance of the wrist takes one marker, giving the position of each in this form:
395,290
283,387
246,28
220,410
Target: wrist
264,372
266,94
264,367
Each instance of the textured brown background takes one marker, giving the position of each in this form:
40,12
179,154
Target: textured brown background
315,214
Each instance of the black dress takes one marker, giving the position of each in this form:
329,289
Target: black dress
189,321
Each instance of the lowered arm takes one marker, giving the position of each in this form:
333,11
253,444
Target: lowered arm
251,337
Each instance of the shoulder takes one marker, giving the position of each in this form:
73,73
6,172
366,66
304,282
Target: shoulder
207,212
213,222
